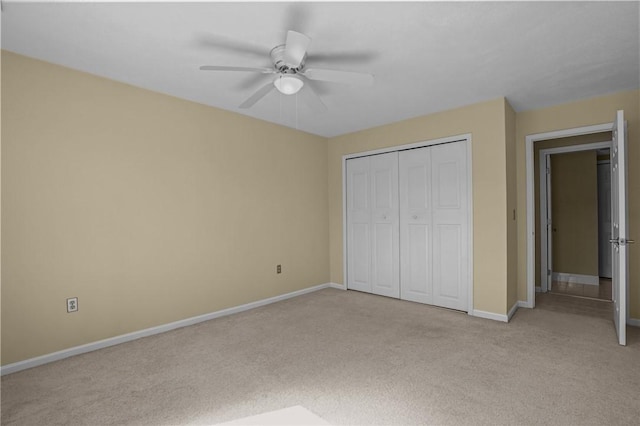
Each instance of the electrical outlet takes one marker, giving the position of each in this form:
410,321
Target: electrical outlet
278,269
72,304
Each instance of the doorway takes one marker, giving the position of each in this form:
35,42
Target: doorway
533,273
619,214
574,216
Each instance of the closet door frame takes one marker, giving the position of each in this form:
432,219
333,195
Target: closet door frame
466,138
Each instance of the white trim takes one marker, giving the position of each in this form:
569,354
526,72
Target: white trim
530,206
512,311
344,223
538,289
470,220
338,286
524,304
576,148
421,144
544,197
633,322
112,341
544,230
576,278
489,315
459,138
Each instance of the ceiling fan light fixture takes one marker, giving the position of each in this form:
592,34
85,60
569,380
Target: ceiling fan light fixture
288,84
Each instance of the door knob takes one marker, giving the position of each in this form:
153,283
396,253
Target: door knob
621,241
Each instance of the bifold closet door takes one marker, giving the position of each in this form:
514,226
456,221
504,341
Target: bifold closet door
434,225
373,225
416,229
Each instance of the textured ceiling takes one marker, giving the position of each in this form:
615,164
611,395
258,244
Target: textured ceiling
426,56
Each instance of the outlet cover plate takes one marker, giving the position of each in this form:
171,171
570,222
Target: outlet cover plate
72,304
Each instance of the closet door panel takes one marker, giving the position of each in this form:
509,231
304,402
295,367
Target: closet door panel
447,268
417,286
358,225
359,268
449,215
415,225
385,233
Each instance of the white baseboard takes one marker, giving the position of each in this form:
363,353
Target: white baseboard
634,322
512,311
112,341
490,315
576,278
538,289
525,304
338,286
501,317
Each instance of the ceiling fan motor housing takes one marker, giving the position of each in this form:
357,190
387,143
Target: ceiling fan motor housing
277,57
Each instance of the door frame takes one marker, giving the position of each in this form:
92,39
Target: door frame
600,227
530,176
466,138
545,198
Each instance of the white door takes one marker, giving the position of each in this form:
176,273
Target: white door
416,233
450,212
434,225
385,268
358,225
619,232
548,278
372,224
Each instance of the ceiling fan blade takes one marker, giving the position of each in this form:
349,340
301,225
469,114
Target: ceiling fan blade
220,42
344,57
261,93
311,98
295,48
335,76
247,69
297,18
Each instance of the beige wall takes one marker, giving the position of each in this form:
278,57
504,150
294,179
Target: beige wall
574,204
152,209
554,143
148,208
512,199
577,114
486,122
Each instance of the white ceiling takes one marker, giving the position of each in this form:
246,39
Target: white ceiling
426,56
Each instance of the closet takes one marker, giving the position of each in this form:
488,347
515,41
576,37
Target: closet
407,219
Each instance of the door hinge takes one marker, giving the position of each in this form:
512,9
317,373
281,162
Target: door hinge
548,272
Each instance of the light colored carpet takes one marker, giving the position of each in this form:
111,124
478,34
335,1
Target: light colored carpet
350,358
292,416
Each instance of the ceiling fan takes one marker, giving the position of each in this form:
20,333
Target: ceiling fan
291,73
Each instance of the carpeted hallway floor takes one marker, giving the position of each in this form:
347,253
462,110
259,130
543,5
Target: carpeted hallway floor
350,358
